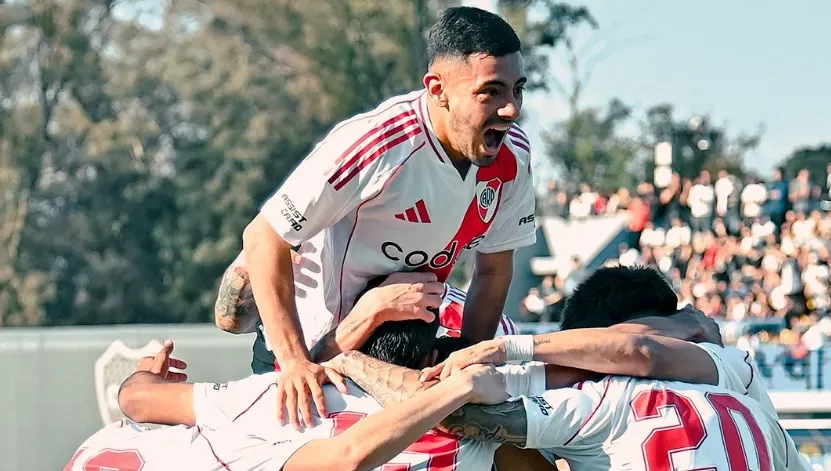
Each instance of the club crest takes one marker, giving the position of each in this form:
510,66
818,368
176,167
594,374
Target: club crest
487,198
111,369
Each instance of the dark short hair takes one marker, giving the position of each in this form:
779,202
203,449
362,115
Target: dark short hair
462,31
402,343
612,295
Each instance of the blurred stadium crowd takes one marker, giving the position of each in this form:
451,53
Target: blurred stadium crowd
752,254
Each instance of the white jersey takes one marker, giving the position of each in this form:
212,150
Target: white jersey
451,314
247,402
597,424
738,372
379,195
232,432
125,446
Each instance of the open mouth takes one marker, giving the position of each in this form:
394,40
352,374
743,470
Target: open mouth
493,138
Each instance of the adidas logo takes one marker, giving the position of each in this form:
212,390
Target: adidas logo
417,213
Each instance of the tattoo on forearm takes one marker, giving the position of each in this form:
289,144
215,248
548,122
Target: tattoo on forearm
387,384
327,347
541,341
233,312
502,423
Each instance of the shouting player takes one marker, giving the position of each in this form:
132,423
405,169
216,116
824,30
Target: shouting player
410,185
623,422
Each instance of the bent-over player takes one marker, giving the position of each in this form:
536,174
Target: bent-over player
598,424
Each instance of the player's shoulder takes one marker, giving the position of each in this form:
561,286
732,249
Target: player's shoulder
389,132
393,118
520,145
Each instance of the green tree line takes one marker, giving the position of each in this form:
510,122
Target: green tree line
138,137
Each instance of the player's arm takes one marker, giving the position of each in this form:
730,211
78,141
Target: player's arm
688,324
485,301
231,311
324,187
550,420
579,354
402,296
608,352
389,384
154,394
513,227
379,437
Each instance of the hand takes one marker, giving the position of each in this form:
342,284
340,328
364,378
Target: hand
709,331
488,385
299,380
403,296
161,363
489,351
336,363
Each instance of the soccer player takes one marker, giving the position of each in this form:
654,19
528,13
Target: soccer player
232,426
410,185
404,296
623,422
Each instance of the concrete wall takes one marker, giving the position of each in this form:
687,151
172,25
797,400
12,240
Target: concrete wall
48,392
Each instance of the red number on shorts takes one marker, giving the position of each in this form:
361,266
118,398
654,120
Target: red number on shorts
725,404
115,460
441,448
689,434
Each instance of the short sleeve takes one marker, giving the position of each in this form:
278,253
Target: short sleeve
514,225
218,404
738,372
556,417
527,379
346,168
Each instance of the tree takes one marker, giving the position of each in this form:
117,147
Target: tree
133,150
814,159
588,148
697,143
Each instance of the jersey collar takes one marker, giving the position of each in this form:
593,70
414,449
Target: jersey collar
432,139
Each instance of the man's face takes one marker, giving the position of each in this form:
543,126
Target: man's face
484,97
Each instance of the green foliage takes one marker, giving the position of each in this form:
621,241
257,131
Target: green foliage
815,159
697,143
588,148
135,146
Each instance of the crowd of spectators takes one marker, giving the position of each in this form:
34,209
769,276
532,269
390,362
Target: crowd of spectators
747,253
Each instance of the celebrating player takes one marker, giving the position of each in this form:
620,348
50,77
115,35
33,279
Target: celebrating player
599,424
410,185
232,425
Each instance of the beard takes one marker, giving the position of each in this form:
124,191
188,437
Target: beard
463,138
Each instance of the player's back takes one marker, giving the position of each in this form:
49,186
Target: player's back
622,423
125,446
250,406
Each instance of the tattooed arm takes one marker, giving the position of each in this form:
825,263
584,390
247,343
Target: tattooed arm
352,333
235,310
389,384
502,423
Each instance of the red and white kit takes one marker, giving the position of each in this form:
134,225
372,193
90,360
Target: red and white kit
634,424
379,195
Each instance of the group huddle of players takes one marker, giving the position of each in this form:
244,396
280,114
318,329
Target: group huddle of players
366,358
